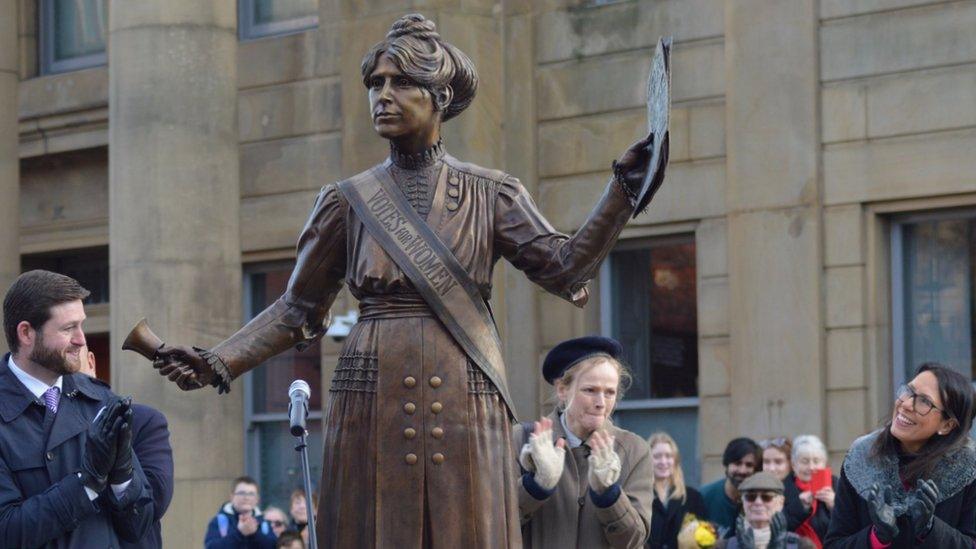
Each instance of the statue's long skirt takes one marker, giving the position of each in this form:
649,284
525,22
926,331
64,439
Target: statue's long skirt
418,446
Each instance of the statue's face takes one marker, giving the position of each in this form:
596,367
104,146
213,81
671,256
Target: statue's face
399,107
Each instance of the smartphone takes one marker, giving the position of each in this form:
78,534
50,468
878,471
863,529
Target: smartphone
821,479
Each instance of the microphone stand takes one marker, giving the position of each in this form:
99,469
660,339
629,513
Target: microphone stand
302,448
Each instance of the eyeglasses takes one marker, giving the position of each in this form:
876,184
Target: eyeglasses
751,496
920,403
244,494
276,523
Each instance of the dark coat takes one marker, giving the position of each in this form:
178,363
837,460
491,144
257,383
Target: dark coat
666,522
222,532
150,442
955,515
796,514
42,500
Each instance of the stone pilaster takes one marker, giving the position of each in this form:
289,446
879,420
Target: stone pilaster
174,227
774,218
9,159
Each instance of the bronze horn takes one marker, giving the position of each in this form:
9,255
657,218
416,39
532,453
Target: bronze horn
143,341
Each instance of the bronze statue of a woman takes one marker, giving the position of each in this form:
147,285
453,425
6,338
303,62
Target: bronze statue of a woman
418,449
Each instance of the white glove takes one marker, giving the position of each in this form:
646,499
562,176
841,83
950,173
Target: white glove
604,462
542,458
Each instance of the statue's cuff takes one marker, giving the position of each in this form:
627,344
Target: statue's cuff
222,377
620,180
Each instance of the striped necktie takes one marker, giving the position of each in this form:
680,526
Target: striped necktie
51,398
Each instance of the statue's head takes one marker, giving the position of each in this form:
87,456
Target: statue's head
415,78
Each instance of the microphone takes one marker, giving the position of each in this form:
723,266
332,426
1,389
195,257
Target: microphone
299,393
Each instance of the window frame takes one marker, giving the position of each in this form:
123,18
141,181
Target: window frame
252,435
606,312
896,266
247,29
46,44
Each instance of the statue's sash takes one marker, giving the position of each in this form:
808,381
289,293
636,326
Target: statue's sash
431,267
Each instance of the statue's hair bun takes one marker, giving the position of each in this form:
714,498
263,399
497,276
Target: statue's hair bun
416,25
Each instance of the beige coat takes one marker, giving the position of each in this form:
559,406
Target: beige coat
569,518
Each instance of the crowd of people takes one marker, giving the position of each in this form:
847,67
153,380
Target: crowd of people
588,483
241,523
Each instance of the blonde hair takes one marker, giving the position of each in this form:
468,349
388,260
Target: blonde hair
677,474
570,376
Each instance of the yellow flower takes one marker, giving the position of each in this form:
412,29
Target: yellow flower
704,536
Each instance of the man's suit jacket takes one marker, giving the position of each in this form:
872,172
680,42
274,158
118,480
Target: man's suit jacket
42,500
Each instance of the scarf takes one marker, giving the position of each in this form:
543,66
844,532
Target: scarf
805,530
762,537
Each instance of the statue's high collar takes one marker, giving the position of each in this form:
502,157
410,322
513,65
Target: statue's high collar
419,160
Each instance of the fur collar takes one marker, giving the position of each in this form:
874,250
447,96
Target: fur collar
956,471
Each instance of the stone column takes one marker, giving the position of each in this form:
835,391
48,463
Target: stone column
520,311
9,159
174,227
774,218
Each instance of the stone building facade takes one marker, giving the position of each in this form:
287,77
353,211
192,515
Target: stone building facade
821,163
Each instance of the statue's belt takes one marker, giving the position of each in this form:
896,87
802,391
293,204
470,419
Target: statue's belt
431,267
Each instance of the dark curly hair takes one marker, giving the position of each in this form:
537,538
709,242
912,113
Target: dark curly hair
418,51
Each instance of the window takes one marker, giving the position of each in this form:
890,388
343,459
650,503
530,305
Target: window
89,266
72,34
271,456
648,298
259,18
653,312
933,304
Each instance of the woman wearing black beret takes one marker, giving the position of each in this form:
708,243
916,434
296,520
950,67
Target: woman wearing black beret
593,486
913,482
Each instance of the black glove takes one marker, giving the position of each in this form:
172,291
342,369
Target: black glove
744,534
881,512
122,471
922,510
101,446
777,531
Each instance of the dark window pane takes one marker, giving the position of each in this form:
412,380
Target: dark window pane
279,470
79,28
89,266
271,379
655,316
275,11
938,293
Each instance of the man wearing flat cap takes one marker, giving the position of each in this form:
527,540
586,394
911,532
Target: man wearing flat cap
593,486
762,524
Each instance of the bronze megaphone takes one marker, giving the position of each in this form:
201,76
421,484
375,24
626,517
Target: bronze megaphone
143,341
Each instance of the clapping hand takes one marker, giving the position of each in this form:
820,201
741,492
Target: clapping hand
122,470
541,457
101,445
247,525
881,512
922,509
604,462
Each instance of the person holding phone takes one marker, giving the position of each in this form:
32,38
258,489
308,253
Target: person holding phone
809,490
912,483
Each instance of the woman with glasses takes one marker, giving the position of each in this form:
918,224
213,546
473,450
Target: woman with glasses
672,499
762,524
913,482
776,456
808,504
